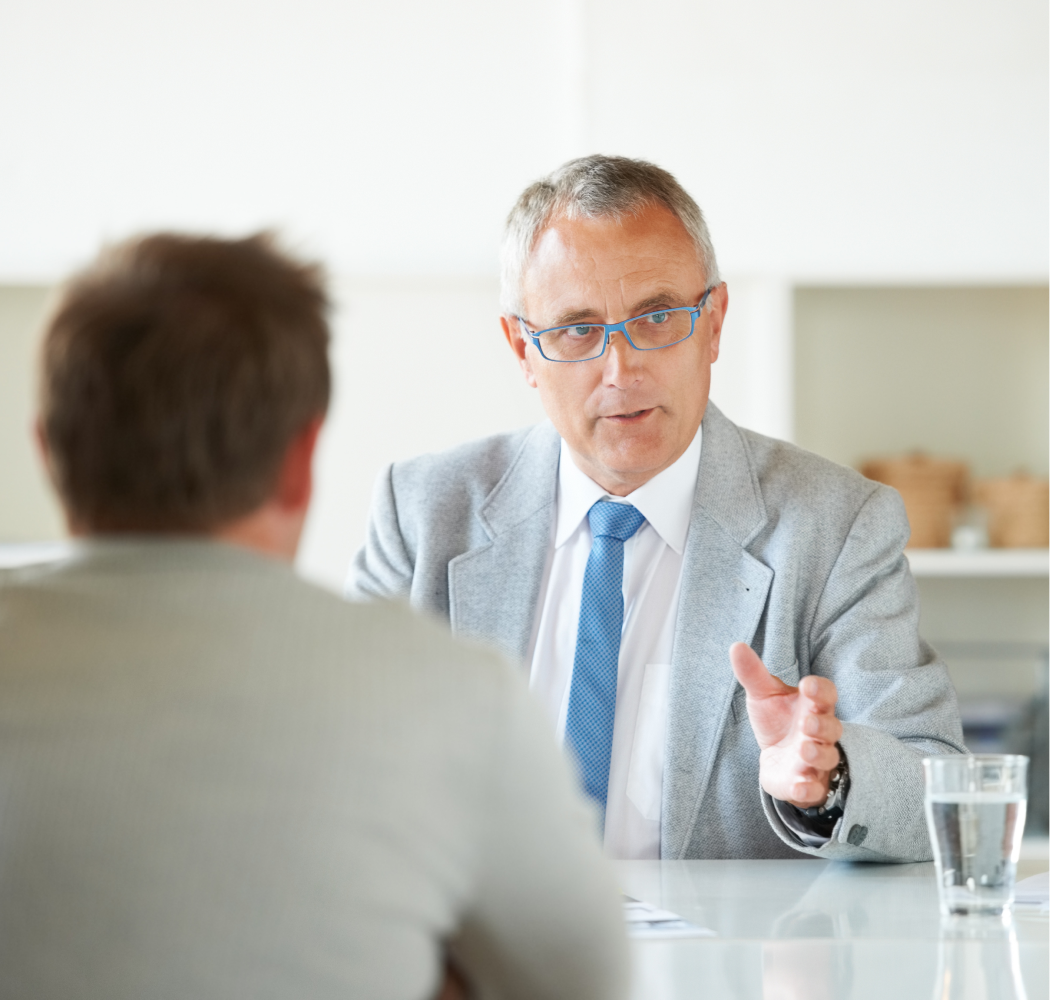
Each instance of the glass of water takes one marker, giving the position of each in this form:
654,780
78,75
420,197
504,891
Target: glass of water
975,807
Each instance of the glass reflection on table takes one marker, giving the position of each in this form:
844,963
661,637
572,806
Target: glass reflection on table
978,959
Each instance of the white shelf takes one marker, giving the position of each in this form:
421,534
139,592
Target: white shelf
983,562
16,554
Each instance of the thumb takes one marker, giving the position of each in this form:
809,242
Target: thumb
751,672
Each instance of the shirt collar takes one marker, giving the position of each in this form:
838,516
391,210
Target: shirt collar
666,501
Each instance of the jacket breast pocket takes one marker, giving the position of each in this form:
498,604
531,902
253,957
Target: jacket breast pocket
738,705
789,676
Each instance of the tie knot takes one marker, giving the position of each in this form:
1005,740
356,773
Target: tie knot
616,520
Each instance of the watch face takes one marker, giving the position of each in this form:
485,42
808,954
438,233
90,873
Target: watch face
834,790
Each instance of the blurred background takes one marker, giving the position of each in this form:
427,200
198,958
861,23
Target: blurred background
874,176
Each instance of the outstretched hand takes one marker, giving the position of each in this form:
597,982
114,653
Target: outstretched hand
795,727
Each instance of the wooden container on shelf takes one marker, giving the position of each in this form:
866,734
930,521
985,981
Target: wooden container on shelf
933,489
1018,511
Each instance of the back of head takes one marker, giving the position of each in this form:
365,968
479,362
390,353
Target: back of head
595,187
176,371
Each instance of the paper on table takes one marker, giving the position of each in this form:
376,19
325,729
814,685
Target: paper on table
1033,891
649,922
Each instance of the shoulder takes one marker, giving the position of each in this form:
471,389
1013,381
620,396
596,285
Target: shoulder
484,460
814,521
391,660
237,609
465,475
789,476
393,633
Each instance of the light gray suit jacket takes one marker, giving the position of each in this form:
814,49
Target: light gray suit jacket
218,781
801,558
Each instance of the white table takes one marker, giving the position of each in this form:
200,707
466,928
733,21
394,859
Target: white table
818,930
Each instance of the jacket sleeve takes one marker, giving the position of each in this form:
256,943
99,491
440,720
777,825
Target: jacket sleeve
896,701
545,920
383,567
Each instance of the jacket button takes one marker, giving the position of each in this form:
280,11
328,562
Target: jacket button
856,835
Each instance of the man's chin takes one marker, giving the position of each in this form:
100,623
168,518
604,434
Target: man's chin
632,452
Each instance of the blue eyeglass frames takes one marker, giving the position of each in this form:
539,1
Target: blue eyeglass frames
651,331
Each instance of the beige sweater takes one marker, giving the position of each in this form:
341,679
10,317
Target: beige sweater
217,781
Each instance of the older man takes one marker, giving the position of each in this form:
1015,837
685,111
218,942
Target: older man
666,576
217,780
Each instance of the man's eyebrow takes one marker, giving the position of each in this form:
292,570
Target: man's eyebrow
667,300
567,318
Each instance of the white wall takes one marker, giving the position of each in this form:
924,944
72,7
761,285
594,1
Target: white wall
898,141
369,130
28,511
752,381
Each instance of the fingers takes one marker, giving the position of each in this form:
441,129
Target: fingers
806,781
751,672
806,794
809,786
798,774
819,756
825,728
820,692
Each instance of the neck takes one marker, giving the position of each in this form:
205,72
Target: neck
261,532
268,530
616,482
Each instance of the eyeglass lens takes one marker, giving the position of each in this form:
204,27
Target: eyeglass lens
581,343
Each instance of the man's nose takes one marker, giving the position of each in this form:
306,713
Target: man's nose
623,364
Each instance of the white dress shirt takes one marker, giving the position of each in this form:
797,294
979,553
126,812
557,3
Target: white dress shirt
652,571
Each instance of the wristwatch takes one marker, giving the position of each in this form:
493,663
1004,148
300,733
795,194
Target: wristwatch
838,787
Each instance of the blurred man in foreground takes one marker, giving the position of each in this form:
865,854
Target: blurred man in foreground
215,779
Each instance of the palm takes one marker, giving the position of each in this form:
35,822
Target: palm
773,718
796,729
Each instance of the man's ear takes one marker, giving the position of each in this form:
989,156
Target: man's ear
718,304
42,450
295,481
519,345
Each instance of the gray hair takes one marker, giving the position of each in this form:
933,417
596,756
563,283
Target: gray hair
594,187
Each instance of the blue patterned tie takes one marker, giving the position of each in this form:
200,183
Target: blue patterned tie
592,697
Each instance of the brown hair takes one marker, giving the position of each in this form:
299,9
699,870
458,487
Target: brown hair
176,372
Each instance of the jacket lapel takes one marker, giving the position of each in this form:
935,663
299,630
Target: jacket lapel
723,595
493,589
